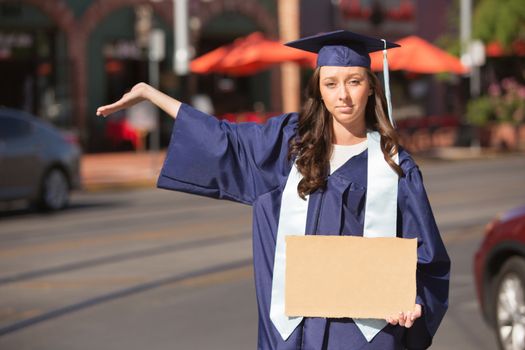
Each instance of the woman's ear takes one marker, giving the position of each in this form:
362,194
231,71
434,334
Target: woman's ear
371,92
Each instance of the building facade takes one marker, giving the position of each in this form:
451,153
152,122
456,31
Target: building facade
60,59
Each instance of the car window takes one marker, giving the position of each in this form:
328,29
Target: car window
11,128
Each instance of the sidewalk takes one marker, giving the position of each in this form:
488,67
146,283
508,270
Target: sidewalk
123,170
120,170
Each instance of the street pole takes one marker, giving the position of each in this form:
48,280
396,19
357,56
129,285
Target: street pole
153,68
465,24
290,74
156,53
468,59
466,42
181,36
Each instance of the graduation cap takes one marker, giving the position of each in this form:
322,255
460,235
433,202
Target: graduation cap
342,48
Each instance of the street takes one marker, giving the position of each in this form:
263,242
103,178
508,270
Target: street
154,269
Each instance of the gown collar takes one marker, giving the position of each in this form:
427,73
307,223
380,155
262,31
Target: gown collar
352,169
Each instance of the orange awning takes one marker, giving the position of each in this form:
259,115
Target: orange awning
418,56
249,55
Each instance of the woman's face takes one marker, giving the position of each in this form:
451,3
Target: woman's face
345,92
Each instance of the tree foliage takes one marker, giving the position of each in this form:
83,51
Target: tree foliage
499,20
449,39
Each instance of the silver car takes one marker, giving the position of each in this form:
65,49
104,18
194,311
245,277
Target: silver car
37,162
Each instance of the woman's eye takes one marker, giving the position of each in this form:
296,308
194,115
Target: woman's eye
330,85
354,82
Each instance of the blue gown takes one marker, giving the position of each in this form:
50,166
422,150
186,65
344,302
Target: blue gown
248,163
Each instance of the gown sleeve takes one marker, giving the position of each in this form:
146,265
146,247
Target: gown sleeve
433,266
224,160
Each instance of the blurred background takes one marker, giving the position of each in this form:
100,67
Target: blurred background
92,256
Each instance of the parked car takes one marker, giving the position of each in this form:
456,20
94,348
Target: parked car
499,266
37,161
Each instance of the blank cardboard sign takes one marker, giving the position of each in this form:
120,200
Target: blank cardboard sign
348,276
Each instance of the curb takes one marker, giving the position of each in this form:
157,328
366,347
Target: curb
463,153
119,186
120,171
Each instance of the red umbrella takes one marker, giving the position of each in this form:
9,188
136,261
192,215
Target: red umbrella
418,56
249,55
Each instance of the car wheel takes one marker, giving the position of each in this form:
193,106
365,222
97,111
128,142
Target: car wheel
54,194
509,304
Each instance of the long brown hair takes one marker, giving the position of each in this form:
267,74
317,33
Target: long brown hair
312,147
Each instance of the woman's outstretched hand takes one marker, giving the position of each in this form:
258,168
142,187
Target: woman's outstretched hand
406,319
135,95
139,93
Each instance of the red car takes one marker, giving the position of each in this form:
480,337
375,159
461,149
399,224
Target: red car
499,267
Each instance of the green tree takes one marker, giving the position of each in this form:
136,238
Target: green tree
499,20
449,39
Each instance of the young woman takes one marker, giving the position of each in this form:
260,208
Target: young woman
311,170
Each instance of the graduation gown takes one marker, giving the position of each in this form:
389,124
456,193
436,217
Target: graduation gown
248,163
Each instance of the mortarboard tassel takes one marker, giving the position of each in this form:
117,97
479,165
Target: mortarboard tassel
386,78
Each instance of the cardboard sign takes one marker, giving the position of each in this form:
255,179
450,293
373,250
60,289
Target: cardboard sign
348,276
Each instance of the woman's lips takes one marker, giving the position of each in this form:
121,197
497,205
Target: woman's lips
345,109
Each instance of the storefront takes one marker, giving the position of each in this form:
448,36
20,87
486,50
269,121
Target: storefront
34,64
60,59
63,58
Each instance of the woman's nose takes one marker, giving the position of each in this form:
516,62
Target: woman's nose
343,93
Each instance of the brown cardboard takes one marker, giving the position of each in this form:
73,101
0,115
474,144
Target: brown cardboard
348,276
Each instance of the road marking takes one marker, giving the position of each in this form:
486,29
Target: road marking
74,218
244,272
168,281
10,314
81,283
120,257
199,229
